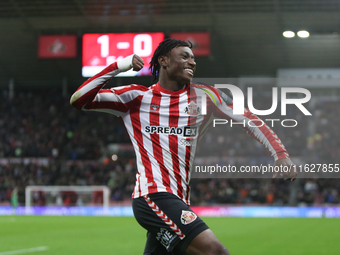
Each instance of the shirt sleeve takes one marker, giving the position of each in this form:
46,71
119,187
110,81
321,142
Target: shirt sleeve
255,127
91,96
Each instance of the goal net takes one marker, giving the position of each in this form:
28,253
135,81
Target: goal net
67,196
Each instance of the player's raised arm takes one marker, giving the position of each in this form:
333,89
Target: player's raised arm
88,91
263,133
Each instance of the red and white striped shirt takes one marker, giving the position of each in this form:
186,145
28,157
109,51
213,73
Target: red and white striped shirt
164,127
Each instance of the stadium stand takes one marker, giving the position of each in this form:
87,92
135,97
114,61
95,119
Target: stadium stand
47,142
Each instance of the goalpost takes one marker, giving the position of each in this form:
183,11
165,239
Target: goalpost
67,196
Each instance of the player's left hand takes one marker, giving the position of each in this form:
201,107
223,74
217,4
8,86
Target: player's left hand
286,163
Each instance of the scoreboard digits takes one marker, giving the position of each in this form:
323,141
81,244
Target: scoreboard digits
100,50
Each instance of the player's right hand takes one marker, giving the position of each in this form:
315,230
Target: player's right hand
137,63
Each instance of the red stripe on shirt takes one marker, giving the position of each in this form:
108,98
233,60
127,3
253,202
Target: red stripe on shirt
156,146
136,124
173,142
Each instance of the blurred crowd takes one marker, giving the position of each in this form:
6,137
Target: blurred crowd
41,124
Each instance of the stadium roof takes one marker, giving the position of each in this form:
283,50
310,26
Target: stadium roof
246,34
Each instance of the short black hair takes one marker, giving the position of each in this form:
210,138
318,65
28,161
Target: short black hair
162,50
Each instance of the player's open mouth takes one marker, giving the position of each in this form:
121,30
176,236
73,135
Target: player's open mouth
190,71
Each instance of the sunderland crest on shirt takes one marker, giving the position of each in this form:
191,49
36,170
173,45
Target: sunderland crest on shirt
192,109
154,108
187,217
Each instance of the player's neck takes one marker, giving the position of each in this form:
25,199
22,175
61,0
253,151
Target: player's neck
170,85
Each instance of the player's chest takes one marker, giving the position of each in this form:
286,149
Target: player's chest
180,108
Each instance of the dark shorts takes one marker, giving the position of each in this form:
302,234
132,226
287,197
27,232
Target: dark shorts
170,223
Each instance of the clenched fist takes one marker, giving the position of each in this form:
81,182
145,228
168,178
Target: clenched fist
137,63
285,169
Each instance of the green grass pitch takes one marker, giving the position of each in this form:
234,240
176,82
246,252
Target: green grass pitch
123,235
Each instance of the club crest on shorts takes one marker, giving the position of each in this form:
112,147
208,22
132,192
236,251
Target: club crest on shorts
187,217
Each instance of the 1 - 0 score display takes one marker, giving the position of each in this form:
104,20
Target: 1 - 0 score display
101,50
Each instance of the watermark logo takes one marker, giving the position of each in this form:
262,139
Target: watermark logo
239,105
238,100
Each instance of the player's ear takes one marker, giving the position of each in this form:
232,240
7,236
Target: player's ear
163,61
